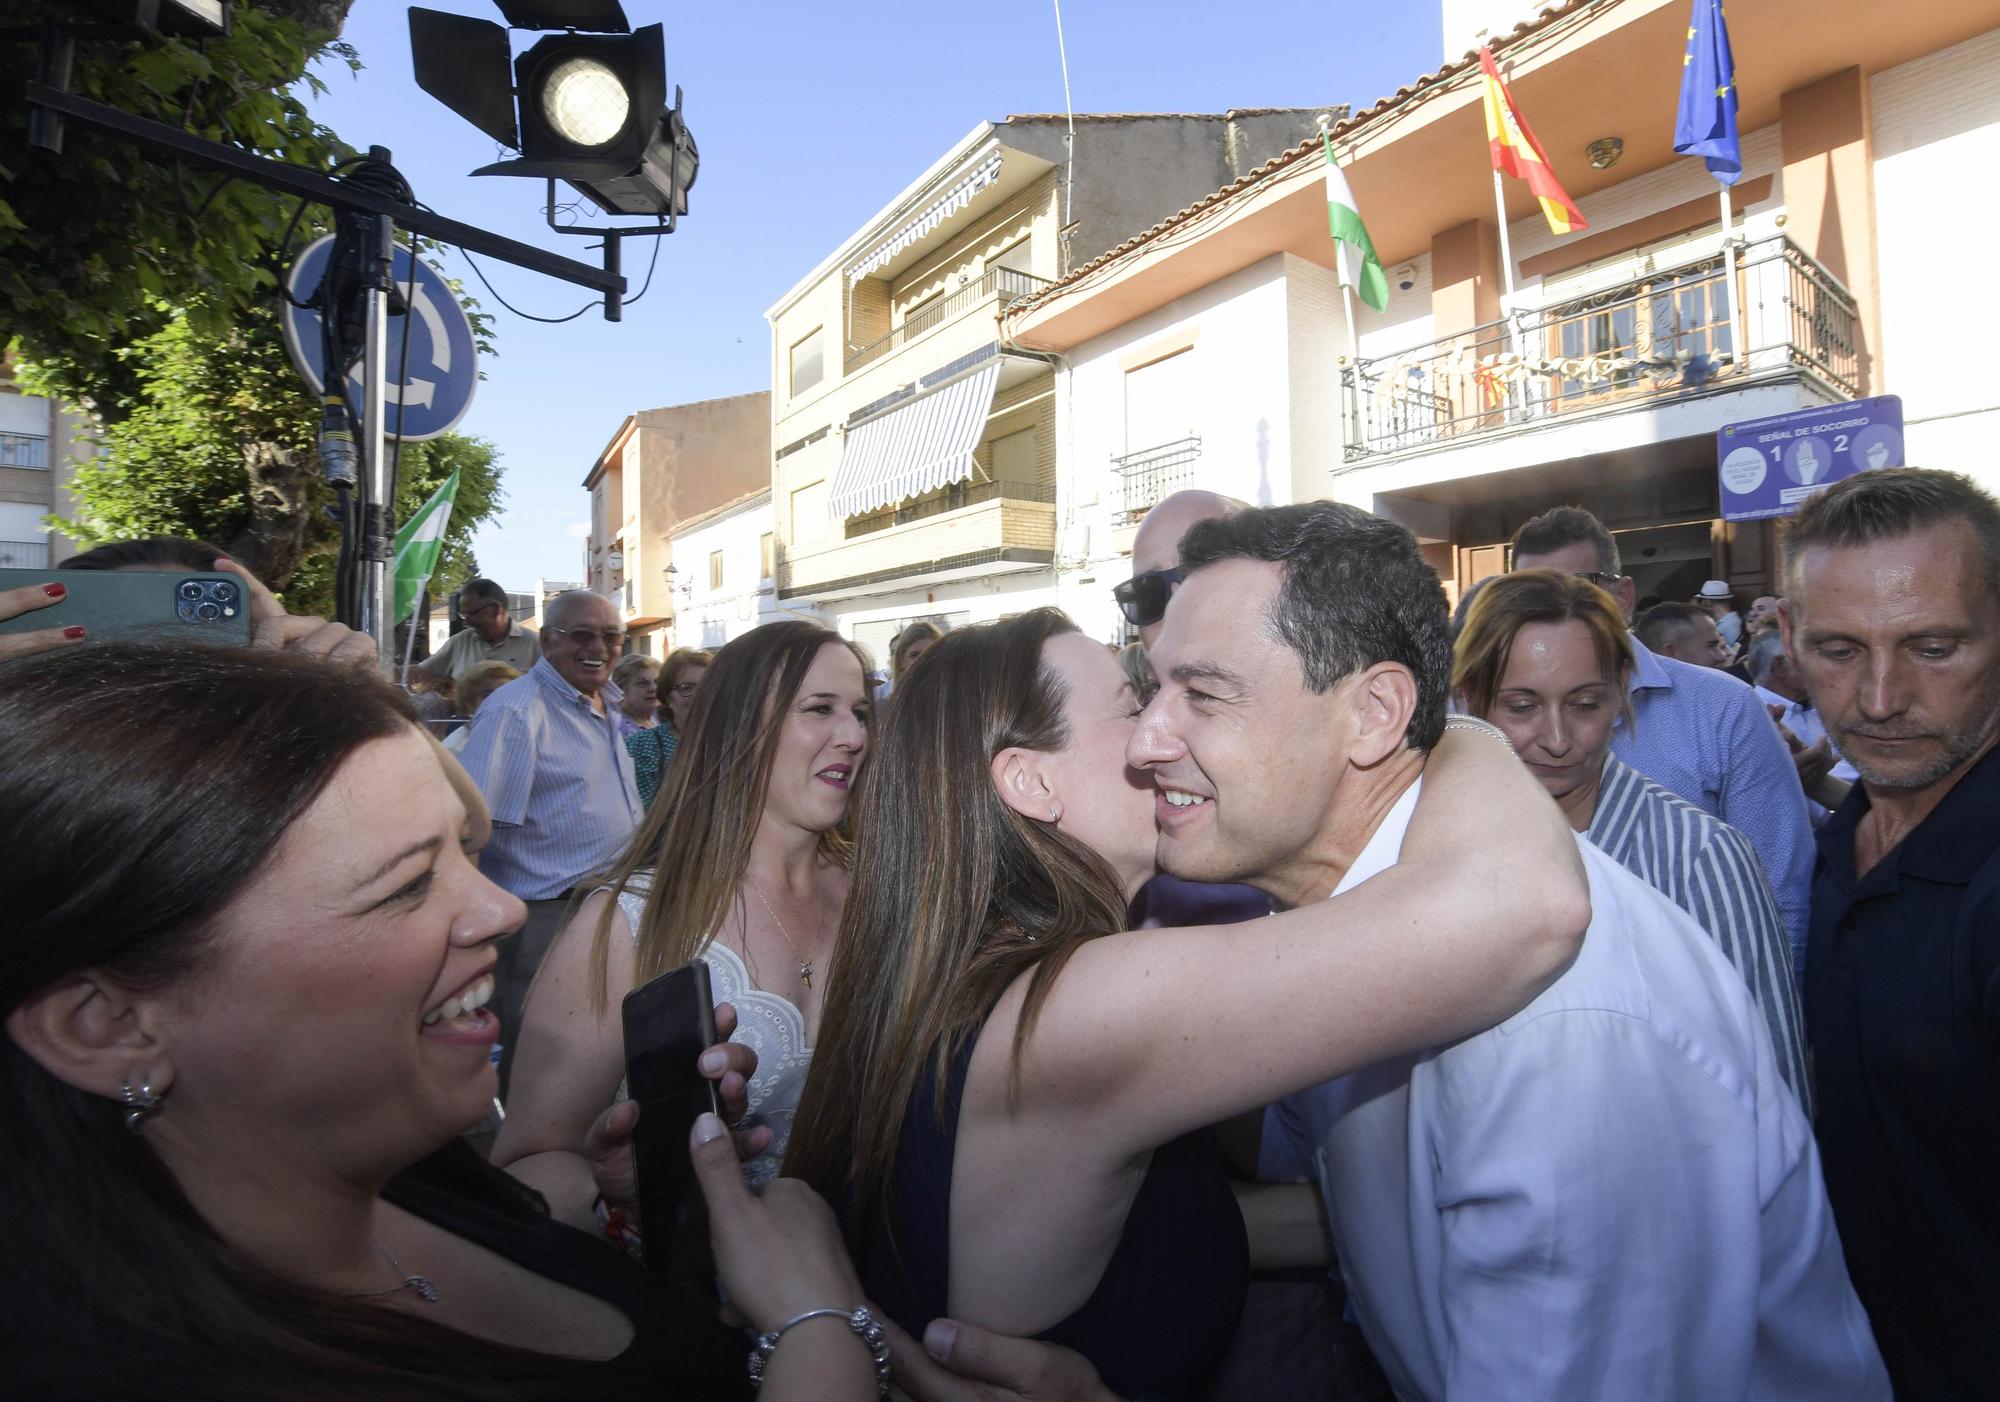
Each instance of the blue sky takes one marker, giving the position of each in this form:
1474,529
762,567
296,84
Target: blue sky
810,117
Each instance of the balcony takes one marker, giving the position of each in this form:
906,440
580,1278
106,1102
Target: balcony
1148,477
1001,287
1663,337
967,529
24,450
24,554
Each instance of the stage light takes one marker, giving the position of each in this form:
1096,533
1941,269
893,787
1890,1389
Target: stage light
588,108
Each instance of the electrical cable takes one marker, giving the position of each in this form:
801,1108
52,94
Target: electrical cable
528,316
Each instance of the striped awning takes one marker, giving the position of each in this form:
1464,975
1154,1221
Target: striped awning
915,448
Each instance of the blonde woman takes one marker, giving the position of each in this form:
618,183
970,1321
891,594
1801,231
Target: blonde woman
743,863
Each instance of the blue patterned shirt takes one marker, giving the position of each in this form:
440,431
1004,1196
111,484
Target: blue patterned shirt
652,751
1706,736
1705,867
558,780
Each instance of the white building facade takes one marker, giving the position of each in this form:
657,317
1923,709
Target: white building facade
723,572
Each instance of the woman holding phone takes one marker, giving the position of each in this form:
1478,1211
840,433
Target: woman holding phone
982,972
242,980
743,863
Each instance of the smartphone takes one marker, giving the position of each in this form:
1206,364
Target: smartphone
668,1023
139,605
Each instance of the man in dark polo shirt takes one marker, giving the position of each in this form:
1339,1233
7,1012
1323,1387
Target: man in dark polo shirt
1892,616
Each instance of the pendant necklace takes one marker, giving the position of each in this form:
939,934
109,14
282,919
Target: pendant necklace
418,1285
805,964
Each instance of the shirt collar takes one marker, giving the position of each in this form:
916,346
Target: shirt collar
1385,844
1961,834
549,677
1647,673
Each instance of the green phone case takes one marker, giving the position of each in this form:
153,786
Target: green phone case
139,605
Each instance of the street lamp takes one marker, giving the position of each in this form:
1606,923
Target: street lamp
586,106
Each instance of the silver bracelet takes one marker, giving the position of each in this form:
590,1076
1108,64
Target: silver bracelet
1456,721
858,1319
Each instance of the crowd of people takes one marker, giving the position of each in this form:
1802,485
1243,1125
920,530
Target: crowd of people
1329,995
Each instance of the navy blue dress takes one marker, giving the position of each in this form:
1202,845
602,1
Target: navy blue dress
1164,1312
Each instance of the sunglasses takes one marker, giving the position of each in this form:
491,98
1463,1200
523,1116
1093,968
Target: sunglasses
1143,597
584,637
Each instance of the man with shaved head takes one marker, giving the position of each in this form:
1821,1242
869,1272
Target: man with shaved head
1156,556
545,751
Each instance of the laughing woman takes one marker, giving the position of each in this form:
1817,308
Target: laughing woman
242,973
742,862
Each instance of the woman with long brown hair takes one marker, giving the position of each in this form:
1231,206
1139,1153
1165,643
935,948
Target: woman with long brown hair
982,973
742,862
242,982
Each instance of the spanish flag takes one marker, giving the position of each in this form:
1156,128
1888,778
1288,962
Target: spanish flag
1517,153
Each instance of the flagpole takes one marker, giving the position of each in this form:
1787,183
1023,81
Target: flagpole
1734,303
1506,273
410,640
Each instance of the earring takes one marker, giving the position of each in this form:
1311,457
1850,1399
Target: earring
142,1102
1055,815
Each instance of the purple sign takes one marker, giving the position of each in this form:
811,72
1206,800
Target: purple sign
1768,466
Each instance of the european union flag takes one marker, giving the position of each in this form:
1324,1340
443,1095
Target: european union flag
1706,124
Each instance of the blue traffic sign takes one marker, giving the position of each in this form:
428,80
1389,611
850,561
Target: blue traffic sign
1768,466
430,393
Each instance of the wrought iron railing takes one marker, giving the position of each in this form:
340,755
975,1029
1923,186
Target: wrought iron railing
1151,475
24,554
951,498
23,450
1004,283
1662,335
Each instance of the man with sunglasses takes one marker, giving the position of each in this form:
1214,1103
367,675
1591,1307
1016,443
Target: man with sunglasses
490,635
1694,730
546,753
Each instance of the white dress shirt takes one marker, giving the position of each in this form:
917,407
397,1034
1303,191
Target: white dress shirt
1611,1195
1802,718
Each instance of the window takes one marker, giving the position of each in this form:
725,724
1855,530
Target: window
715,569
767,555
922,316
1014,457
1014,258
810,505
23,450
808,363
1159,402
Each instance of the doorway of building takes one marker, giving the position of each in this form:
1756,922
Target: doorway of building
1667,563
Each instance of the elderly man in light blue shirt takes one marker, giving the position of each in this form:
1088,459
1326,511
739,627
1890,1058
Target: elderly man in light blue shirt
1612,1194
1696,731
546,754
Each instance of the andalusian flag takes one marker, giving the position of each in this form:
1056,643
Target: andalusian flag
1517,153
418,545
1350,238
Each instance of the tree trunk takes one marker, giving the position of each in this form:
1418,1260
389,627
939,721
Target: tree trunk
279,488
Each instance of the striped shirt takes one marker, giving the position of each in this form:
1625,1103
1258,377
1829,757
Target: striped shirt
1705,736
558,780
1708,869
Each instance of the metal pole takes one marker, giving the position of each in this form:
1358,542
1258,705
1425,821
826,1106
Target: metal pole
409,647
1506,275
377,604
1353,350
1738,352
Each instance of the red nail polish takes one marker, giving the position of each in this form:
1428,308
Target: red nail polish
55,591
74,631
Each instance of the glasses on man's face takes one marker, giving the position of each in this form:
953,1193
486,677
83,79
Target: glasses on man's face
1598,577
613,638
481,611
1143,597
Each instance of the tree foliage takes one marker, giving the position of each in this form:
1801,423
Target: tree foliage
103,245
147,293
215,441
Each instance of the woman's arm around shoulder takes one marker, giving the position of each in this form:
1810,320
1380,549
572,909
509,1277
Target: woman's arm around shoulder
1150,1034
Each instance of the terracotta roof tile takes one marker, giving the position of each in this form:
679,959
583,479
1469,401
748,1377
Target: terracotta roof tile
1548,16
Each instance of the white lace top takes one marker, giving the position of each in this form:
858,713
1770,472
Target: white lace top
769,1025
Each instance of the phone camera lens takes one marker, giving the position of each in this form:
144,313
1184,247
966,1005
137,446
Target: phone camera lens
224,590
208,611
191,589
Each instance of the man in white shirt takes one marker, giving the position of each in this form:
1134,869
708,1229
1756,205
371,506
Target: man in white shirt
1611,1195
